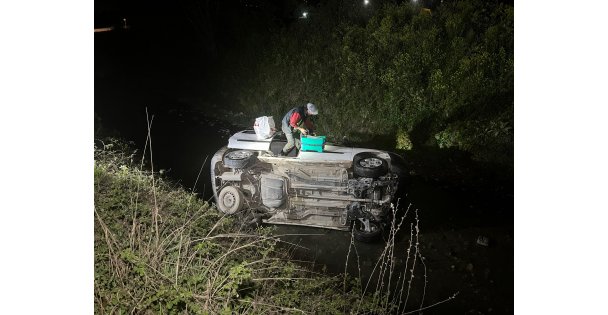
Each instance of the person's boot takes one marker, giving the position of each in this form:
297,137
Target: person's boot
286,153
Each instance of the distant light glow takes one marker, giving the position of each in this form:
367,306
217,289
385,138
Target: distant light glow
304,14
365,2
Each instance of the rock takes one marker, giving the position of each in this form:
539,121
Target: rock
483,240
469,267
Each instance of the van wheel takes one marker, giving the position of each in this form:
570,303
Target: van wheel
366,231
230,200
369,165
238,158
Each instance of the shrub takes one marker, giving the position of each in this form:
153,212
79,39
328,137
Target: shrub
393,71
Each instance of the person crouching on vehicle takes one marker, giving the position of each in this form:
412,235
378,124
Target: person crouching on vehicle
297,119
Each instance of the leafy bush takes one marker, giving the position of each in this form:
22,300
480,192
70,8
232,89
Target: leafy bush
398,70
489,140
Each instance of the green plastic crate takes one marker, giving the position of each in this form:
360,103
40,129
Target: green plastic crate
313,143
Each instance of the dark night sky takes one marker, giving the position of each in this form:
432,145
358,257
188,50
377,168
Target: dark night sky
176,48
207,27
185,15
187,28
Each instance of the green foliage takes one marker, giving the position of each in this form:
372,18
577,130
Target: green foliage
239,280
403,140
395,71
491,140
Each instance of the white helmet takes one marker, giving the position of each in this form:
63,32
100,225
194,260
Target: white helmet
312,109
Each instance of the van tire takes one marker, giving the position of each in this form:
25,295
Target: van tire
230,200
238,158
368,164
362,235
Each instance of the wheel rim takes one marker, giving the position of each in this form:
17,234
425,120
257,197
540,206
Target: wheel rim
229,200
239,155
365,226
370,162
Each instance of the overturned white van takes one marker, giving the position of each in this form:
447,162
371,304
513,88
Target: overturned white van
337,188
